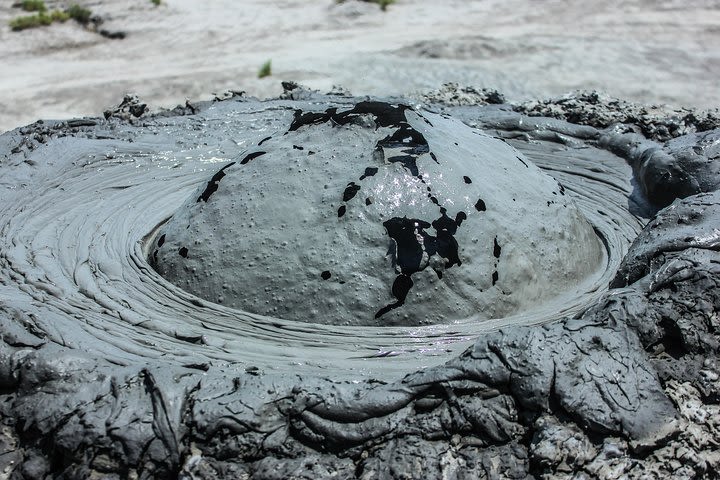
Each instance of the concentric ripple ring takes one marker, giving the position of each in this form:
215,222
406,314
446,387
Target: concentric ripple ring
76,229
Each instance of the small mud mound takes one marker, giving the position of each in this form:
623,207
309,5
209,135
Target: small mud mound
378,215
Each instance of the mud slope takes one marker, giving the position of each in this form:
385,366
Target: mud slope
641,50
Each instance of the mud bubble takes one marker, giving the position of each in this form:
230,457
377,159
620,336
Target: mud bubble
378,215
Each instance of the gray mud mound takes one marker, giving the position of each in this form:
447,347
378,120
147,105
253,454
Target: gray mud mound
109,370
378,215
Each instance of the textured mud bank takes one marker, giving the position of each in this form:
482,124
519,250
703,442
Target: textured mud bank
109,370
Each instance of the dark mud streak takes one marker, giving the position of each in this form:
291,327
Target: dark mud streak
522,161
263,140
603,239
409,162
412,246
400,289
406,139
404,232
251,156
369,172
386,115
350,191
213,184
497,250
311,118
445,245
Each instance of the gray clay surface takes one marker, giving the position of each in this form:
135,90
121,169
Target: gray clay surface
107,370
378,215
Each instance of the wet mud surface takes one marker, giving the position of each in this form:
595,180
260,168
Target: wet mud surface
109,370
283,231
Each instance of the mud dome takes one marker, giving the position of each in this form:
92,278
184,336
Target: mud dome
378,215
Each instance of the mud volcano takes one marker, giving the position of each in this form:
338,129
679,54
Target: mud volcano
378,215
577,336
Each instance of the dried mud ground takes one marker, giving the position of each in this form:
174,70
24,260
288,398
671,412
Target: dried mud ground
639,50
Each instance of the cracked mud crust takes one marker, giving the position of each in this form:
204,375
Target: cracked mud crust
98,385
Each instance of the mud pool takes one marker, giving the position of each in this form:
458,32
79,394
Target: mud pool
83,245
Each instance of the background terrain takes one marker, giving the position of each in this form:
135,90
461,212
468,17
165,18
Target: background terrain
651,51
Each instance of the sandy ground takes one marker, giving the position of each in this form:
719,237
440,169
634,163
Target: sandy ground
663,51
